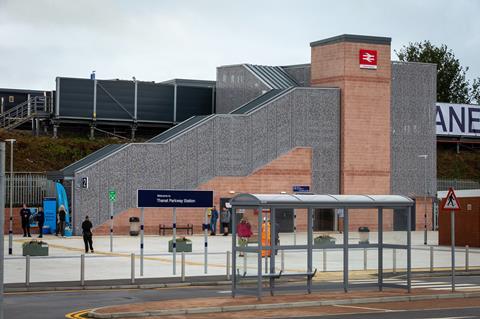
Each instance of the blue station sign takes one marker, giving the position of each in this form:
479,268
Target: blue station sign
301,189
150,198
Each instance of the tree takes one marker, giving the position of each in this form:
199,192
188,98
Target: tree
452,84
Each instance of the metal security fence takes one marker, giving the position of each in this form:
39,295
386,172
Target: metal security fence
445,184
29,188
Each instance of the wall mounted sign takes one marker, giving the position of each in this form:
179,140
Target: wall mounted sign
368,59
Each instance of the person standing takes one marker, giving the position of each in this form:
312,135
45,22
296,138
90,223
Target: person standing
225,220
41,221
87,234
25,216
244,231
340,219
61,221
213,221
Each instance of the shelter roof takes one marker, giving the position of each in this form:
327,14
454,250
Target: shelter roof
321,200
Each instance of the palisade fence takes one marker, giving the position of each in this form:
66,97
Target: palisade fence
29,188
445,184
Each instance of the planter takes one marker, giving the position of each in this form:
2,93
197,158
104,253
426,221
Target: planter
35,248
323,241
183,245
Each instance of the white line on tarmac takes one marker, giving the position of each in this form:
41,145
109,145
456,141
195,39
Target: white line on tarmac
365,308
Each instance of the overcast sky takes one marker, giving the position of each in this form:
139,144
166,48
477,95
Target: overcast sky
159,40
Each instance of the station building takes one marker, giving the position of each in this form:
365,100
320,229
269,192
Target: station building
349,122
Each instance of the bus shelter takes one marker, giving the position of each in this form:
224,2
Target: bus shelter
308,203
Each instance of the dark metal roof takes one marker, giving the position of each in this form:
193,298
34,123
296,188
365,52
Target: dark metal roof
21,91
177,129
189,82
258,101
294,66
93,157
273,76
352,38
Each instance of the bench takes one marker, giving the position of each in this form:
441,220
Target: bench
163,228
279,275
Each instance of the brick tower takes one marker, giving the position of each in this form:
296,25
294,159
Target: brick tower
360,66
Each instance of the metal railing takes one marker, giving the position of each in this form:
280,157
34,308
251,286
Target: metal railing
80,263
23,112
29,188
445,184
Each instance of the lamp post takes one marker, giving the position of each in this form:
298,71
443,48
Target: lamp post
425,156
10,227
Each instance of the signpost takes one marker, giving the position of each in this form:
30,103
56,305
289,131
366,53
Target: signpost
112,196
158,198
301,189
452,204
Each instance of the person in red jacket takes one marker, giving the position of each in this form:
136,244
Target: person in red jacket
244,231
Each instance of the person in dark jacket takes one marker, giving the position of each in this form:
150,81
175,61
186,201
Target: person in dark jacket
87,234
213,221
41,221
25,216
61,216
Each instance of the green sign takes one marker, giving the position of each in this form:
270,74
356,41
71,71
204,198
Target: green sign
112,195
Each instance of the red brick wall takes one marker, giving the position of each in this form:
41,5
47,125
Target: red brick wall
17,223
293,168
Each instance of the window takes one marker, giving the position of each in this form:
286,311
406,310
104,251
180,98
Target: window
11,99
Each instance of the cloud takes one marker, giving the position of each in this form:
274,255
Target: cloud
159,40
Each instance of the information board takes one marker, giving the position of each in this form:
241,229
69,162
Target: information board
174,198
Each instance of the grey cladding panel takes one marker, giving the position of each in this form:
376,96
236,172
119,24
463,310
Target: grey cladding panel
235,87
301,73
259,120
76,97
193,101
413,128
115,100
122,101
206,151
155,102
178,162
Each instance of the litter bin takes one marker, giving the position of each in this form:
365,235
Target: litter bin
364,234
134,226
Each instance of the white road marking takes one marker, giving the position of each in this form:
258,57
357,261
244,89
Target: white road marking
365,308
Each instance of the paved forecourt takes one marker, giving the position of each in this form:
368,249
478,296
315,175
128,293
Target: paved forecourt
63,264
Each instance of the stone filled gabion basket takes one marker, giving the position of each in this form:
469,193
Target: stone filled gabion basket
35,248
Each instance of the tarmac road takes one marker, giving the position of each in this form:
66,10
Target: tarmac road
54,305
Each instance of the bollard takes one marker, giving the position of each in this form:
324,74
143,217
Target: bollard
467,253
364,258
183,266
228,265
394,261
82,269
324,260
266,265
431,258
132,267
245,262
282,265
27,271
